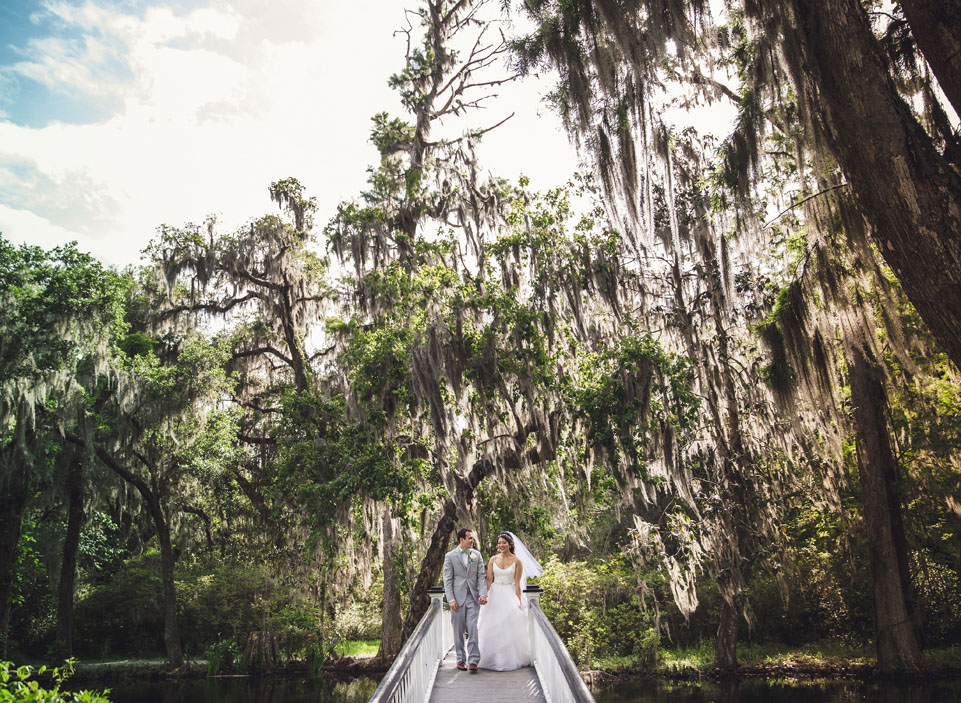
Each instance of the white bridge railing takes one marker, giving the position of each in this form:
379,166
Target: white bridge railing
411,676
559,677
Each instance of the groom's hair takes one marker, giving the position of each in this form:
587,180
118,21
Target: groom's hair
462,532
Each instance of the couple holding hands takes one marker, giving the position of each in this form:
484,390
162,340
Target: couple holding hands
488,603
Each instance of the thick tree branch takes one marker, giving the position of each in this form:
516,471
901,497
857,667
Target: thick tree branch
220,308
249,439
263,350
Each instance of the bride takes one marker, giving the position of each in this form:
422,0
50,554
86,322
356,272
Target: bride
502,627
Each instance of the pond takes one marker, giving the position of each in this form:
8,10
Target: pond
763,691
315,690
243,690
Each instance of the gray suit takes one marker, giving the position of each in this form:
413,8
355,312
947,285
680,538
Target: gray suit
465,585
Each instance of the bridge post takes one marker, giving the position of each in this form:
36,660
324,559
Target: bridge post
533,594
444,628
436,593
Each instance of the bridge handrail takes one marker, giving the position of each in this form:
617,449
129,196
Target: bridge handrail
412,673
558,674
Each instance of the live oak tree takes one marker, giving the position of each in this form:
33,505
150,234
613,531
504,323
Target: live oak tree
614,57
416,244
465,321
61,317
266,287
156,430
306,466
835,295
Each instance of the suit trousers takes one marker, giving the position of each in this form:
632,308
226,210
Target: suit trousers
464,619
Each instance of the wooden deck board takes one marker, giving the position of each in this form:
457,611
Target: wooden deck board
455,686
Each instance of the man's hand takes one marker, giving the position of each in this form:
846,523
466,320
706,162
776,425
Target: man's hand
453,605
482,600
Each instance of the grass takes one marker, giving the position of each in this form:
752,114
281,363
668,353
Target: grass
826,654
357,648
944,656
701,656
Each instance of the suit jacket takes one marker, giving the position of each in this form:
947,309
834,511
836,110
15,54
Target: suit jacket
459,582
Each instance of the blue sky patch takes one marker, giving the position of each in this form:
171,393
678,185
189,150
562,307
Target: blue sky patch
27,31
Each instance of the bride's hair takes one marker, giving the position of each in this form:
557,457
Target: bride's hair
508,539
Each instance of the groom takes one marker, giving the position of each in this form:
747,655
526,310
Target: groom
465,585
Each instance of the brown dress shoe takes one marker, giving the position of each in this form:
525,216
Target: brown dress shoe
462,666
473,668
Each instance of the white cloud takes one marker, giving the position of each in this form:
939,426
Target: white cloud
219,102
63,65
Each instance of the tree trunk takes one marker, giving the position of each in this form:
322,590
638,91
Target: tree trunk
434,558
892,479
391,620
734,487
295,346
905,188
725,653
897,643
68,566
175,654
261,655
936,26
430,568
13,504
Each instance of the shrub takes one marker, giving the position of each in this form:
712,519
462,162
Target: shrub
217,602
124,615
224,656
229,600
18,686
597,610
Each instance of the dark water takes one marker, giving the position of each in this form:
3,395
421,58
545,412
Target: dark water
243,690
292,690
760,691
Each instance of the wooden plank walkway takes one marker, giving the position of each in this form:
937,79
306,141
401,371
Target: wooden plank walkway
454,686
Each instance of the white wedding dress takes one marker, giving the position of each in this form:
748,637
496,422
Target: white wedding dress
502,631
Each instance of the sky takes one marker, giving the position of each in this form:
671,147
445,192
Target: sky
117,116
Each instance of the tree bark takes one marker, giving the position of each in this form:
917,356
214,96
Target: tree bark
13,504
897,642
430,568
292,337
68,566
391,617
905,188
261,655
171,626
725,653
936,27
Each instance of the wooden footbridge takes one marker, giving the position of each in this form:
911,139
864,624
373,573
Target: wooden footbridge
425,671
